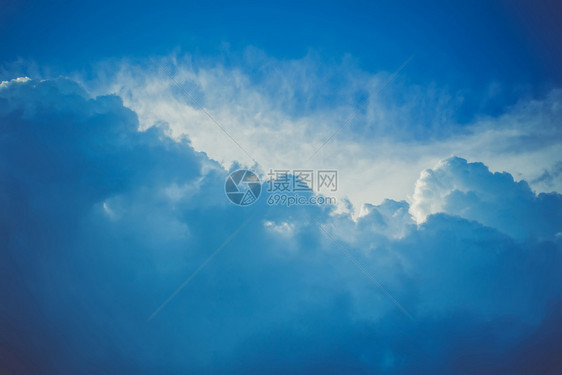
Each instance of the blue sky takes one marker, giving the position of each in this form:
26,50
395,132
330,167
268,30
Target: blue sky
120,252
464,45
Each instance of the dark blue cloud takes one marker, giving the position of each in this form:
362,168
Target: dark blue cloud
100,223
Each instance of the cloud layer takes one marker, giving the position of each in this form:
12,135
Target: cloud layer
100,223
382,128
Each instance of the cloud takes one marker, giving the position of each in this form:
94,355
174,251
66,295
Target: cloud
100,223
471,191
282,112
549,177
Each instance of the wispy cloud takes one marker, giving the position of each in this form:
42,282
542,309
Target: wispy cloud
283,110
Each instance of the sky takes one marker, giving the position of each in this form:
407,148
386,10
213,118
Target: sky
121,253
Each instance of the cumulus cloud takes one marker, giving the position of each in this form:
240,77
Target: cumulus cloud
282,112
471,191
100,223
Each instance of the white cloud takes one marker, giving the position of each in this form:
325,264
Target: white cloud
471,191
283,228
280,112
18,79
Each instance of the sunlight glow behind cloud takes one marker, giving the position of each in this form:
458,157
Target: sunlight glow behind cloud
281,119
